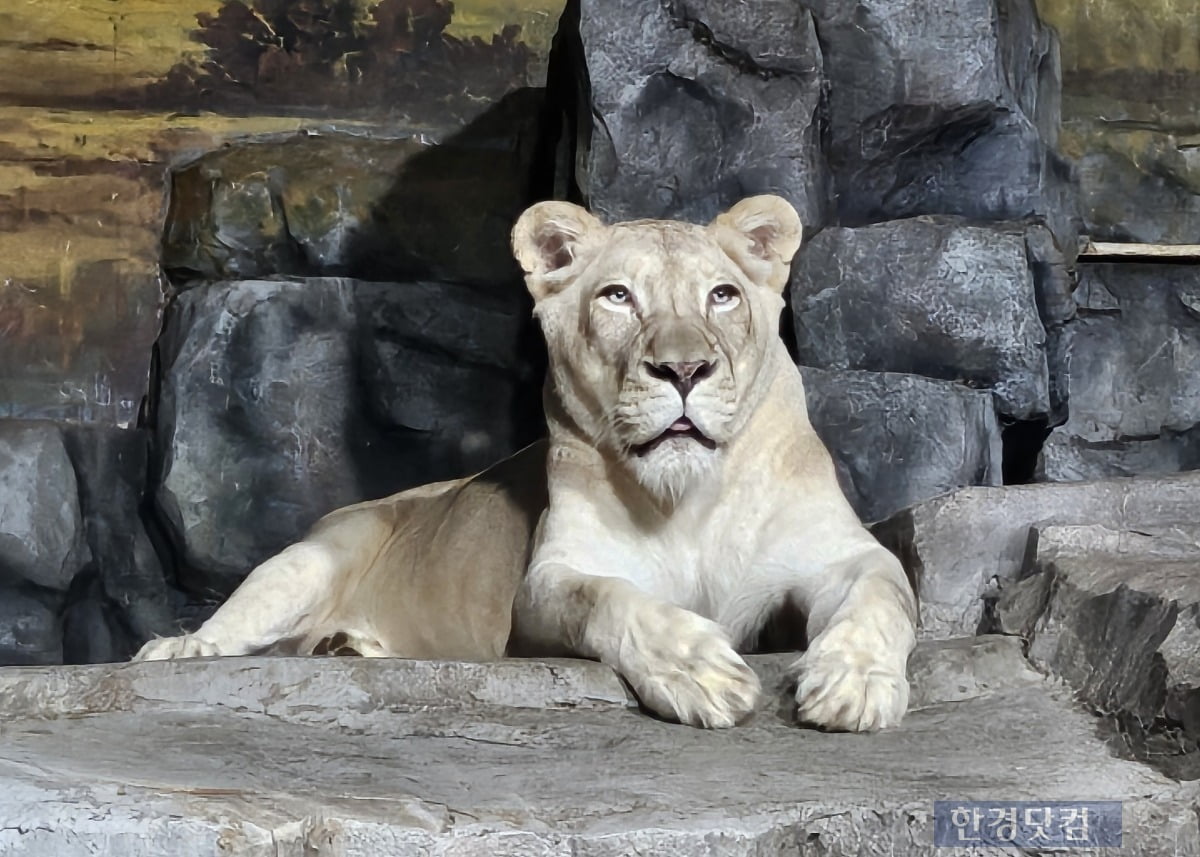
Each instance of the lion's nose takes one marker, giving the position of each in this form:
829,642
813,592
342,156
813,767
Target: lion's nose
684,376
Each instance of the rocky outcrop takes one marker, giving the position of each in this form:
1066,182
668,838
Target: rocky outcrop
283,400
920,127
938,297
899,439
1116,613
383,757
41,529
691,105
963,548
1133,378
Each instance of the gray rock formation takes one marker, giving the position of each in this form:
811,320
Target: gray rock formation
1134,375
937,297
240,756
961,549
948,113
899,439
41,529
1116,613
284,400
694,104
30,629
126,600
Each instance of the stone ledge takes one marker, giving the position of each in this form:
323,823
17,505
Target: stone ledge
316,757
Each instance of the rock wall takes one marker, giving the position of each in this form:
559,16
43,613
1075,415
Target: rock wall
256,267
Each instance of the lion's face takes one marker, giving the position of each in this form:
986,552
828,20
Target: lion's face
661,335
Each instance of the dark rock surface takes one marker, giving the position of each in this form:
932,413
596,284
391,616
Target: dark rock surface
937,297
41,529
355,758
963,548
1116,613
125,599
948,113
30,630
899,439
1134,375
284,400
695,104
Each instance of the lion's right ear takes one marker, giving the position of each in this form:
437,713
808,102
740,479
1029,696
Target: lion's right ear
546,241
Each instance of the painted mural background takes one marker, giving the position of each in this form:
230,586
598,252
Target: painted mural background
98,99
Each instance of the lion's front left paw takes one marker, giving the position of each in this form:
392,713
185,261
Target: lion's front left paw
850,689
170,648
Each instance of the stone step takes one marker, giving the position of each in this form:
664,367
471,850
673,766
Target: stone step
1116,613
314,757
962,548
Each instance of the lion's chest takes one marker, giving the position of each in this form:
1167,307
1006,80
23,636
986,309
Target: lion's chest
689,567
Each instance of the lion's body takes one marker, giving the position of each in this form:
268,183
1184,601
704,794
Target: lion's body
683,498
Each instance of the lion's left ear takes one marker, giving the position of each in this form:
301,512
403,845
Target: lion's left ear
762,234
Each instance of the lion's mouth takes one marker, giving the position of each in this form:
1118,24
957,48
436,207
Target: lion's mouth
681,429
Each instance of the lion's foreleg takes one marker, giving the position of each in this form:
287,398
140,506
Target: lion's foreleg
681,665
276,602
861,629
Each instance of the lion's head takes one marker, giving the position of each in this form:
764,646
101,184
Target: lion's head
662,335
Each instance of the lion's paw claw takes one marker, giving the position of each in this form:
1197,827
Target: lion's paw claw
850,690
171,648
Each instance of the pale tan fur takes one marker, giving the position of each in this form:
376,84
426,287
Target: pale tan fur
688,499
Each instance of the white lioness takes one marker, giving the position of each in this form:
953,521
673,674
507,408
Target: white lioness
683,497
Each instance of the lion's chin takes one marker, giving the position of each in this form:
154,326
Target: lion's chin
669,467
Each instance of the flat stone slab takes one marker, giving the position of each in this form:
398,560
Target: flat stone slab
314,757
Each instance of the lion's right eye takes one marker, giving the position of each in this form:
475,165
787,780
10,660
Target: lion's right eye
616,295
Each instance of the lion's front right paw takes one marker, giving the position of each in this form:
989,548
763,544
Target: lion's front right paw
685,669
170,648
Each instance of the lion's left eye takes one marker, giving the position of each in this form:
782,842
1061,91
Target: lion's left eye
724,295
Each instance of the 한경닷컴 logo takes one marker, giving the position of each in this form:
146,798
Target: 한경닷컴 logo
1027,824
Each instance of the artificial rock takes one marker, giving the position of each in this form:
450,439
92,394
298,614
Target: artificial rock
283,400
1116,613
356,758
899,439
345,205
1133,378
938,297
948,113
962,549
694,104
41,528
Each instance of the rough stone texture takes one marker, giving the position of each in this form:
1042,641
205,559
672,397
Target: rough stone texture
1133,376
324,757
953,113
30,630
345,205
695,104
284,400
937,297
961,548
1116,613
41,529
899,439
124,599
